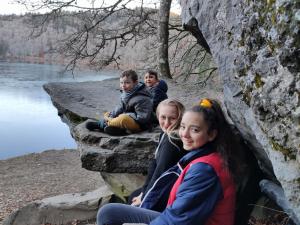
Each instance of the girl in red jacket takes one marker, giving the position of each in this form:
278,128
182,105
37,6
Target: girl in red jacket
204,192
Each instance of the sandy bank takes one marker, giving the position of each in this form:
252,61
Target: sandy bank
36,176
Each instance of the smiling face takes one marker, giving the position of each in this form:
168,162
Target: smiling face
150,80
167,116
193,131
127,84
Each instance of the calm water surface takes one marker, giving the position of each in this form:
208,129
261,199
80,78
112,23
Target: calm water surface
28,120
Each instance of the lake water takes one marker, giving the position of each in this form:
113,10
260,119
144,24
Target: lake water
28,120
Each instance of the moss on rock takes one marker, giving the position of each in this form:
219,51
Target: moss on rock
74,118
287,152
258,82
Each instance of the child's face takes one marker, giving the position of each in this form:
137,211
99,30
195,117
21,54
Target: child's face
193,131
150,80
167,116
127,84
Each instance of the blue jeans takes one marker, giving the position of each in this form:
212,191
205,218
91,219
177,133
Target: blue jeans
117,214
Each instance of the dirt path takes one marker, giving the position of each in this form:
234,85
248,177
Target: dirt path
39,175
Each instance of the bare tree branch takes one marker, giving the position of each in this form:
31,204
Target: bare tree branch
99,32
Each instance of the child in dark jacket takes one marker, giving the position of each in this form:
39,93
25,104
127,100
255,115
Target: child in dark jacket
158,88
204,191
133,114
168,152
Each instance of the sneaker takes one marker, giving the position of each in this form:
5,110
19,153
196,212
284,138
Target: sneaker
115,131
92,126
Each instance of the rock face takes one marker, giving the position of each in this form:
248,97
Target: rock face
100,152
257,49
126,154
75,105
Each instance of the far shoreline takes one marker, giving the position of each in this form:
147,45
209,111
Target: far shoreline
29,154
49,61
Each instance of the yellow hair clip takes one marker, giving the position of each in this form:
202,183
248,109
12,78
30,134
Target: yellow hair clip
205,103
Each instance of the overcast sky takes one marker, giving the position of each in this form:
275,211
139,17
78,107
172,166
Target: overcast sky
9,7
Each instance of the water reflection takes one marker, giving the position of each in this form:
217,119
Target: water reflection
28,120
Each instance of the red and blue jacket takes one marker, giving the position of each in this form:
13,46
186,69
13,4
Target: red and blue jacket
204,192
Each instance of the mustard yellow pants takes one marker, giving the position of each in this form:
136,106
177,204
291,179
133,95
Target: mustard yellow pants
123,121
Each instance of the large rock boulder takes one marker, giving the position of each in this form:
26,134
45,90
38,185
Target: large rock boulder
115,154
256,47
76,102
61,209
121,160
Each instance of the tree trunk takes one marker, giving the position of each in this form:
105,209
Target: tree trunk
163,38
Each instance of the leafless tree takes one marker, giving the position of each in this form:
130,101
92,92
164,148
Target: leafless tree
99,31
163,40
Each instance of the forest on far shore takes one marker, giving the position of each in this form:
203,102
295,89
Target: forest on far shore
19,40
30,38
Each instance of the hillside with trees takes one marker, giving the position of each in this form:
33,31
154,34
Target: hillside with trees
22,40
121,40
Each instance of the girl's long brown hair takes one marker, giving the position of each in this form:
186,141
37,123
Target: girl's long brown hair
225,143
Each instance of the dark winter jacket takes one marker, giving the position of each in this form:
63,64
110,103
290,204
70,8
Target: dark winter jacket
138,105
159,93
197,192
168,152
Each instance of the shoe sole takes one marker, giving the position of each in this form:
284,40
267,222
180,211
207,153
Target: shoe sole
115,131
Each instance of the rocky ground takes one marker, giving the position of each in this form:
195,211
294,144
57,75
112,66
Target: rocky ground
39,175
